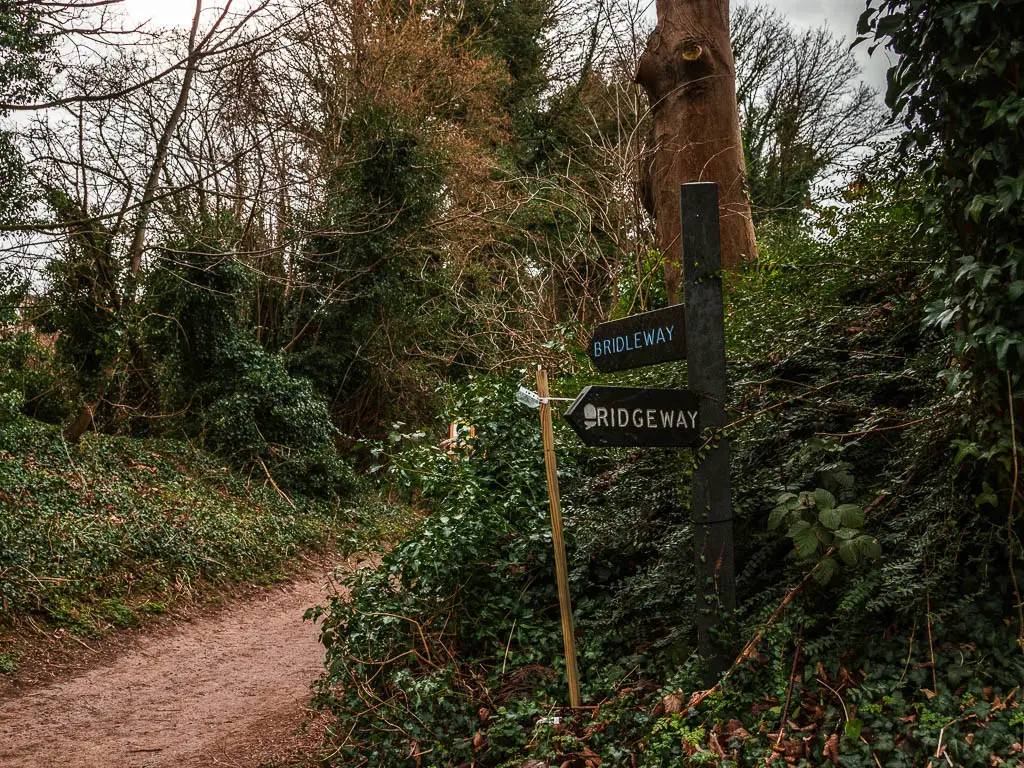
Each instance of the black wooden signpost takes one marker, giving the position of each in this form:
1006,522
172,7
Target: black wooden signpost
666,418
645,339
629,416
626,416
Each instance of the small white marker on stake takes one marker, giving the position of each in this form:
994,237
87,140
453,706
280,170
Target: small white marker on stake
531,399
528,397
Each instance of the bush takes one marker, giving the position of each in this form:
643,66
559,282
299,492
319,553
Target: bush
251,410
28,365
425,634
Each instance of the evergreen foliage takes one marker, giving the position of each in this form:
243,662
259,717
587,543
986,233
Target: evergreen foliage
250,409
451,651
956,87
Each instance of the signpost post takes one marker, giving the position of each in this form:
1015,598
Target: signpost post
705,339
561,564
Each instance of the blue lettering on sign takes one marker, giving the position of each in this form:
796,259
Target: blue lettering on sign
631,343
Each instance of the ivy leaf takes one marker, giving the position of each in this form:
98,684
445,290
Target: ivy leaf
865,20
887,25
987,496
852,729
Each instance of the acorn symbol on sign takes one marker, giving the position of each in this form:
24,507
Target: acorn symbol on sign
589,416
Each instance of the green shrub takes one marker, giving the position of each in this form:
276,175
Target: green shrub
235,395
27,366
425,634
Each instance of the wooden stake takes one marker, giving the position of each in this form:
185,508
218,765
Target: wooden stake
561,565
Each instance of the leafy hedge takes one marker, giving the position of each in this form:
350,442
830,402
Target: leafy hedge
956,87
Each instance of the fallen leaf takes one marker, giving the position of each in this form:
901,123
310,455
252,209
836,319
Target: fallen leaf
831,749
715,745
669,705
795,748
734,730
599,727
763,706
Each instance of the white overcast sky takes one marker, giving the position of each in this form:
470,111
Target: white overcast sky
840,15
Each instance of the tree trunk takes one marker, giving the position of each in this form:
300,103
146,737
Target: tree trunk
688,74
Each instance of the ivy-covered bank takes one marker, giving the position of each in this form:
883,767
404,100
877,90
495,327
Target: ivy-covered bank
102,533
875,356
861,508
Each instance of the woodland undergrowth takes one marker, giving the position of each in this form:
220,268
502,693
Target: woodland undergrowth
876,592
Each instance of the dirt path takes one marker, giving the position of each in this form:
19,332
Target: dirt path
229,689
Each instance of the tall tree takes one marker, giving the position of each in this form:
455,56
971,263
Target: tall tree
688,74
74,431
